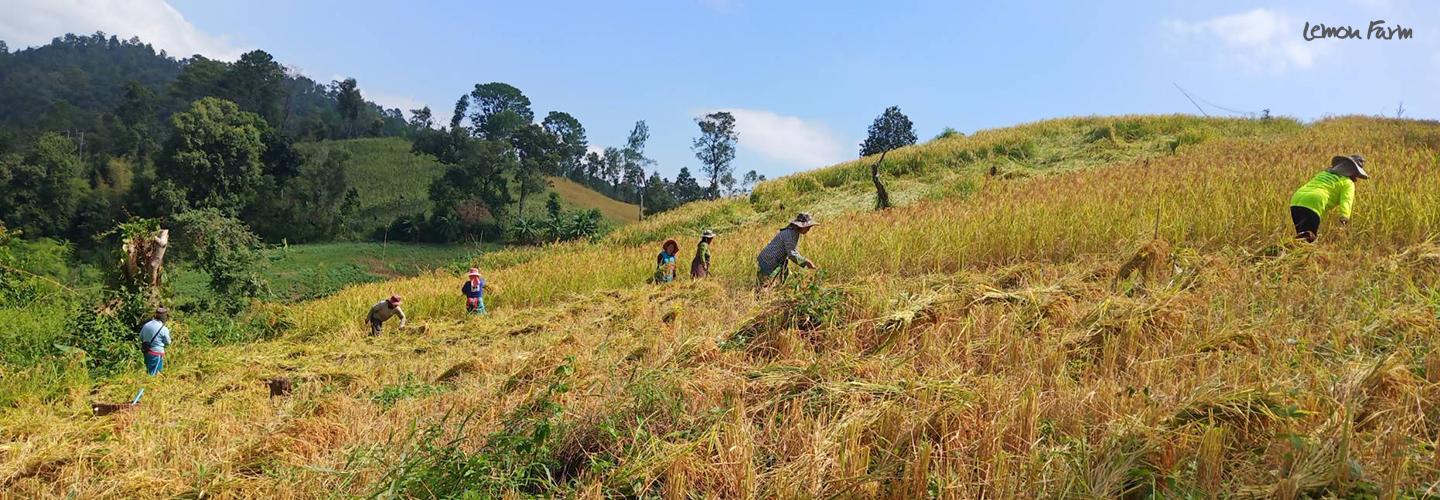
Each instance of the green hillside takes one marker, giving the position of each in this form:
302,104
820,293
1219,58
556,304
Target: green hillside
393,181
1098,307
574,195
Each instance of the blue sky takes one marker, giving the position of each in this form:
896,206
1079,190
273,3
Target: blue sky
805,78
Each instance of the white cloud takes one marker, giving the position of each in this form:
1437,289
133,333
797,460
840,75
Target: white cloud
788,140
27,23
1258,41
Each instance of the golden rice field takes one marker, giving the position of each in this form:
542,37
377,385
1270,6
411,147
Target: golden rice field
1088,307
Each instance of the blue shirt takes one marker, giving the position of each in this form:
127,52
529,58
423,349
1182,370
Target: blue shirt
665,267
472,290
155,335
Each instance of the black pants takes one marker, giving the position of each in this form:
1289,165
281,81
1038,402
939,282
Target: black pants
1307,222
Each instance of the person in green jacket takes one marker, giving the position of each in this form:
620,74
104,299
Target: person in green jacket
1333,189
700,265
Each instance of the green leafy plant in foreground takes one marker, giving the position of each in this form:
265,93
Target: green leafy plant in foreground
519,457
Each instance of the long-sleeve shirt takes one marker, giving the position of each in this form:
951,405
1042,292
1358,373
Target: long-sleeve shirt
781,248
1325,192
700,265
154,335
473,290
383,310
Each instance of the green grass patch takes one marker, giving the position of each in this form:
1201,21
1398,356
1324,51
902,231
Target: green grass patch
408,388
391,180
302,272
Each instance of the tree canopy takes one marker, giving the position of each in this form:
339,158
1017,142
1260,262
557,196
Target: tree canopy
715,148
892,129
214,155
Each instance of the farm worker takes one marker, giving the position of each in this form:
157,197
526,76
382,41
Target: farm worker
1332,189
700,265
382,311
665,262
775,258
474,290
154,336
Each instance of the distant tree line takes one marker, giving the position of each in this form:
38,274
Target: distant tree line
498,158
94,130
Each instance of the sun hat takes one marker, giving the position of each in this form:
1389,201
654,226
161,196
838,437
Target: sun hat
707,234
667,244
474,271
162,312
1349,166
803,220
395,299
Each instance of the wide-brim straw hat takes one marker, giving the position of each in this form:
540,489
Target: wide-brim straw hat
474,272
803,220
1349,166
395,299
707,234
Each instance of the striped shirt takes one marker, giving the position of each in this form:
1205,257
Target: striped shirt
781,248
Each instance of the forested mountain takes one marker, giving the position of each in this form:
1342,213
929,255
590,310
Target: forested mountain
104,87
96,130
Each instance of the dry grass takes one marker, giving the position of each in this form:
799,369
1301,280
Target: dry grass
991,341
575,195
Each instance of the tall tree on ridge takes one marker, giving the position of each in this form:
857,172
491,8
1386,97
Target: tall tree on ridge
421,119
892,129
537,150
349,102
686,188
500,110
658,195
633,171
254,82
461,106
570,141
715,148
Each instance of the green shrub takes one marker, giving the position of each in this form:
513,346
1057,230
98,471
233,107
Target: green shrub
521,456
408,388
805,303
810,304
1190,137
1018,150
108,335
1101,133
228,252
1131,129
804,184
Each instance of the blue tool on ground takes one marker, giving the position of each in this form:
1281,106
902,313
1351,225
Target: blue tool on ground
136,401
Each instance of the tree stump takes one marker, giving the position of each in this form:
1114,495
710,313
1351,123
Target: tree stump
882,197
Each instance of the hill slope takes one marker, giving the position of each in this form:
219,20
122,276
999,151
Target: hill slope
574,195
1118,310
393,181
